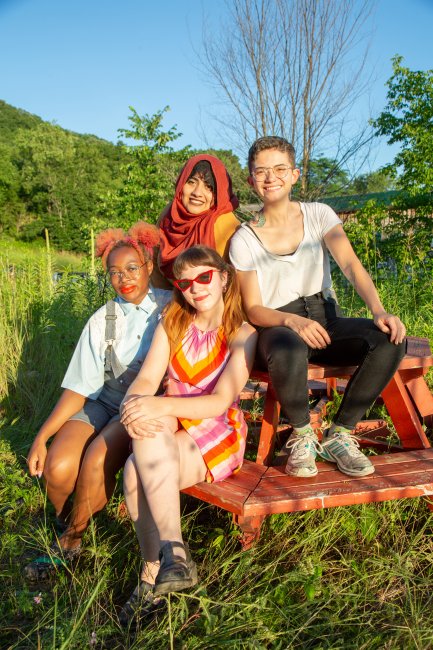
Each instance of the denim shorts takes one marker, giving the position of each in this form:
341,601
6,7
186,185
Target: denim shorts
97,414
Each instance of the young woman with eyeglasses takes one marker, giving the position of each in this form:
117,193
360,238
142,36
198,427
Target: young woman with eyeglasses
195,431
284,271
90,444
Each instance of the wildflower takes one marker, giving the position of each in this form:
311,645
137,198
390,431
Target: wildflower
38,598
93,639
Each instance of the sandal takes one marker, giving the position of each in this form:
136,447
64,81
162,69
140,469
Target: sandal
175,573
43,567
141,605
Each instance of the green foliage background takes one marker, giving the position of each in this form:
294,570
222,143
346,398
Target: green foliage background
68,183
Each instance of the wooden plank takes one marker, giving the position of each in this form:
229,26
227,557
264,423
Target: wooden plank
231,493
421,395
406,474
403,414
380,492
384,459
363,490
273,484
418,346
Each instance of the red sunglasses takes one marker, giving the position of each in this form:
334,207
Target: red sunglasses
202,278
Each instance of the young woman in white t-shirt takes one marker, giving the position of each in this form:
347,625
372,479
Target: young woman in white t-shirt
283,265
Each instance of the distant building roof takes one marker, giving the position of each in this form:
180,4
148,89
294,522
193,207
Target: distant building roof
354,202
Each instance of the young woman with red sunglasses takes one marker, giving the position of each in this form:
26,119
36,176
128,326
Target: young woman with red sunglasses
177,442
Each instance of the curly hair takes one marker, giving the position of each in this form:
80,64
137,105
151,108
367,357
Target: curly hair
270,142
179,313
142,236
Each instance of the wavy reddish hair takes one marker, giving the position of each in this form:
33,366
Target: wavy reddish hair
142,236
179,313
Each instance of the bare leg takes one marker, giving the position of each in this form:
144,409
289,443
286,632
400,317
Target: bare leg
145,528
64,459
166,464
104,457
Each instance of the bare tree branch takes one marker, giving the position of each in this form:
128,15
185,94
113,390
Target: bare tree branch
285,67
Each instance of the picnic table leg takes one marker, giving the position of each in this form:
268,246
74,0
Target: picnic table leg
271,415
404,415
422,398
250,527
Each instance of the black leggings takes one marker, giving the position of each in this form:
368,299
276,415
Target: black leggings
354,341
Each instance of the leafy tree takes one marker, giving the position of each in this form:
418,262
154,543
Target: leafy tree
325,176
377,181
62,176
150,173
408,120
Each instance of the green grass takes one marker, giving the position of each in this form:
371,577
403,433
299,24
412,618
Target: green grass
21,254
356,577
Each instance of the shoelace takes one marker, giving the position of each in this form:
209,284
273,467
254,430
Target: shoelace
299,446
350,441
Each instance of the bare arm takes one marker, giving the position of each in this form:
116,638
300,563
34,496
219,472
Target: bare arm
153,369
227,390
312,333
68,404
341,250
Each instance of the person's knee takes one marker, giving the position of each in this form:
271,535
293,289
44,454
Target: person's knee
279,344
381,343
93,464
59,470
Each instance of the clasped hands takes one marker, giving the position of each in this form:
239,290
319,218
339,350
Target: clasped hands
138,412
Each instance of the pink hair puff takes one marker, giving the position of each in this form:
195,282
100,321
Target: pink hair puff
145,234
105,242
142,236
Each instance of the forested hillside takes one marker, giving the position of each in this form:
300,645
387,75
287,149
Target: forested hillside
54,179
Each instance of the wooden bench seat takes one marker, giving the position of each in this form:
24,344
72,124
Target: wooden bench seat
260,489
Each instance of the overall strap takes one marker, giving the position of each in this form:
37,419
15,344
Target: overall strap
112,363
110,322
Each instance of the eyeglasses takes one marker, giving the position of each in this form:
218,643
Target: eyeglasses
202,278
132,271
280,171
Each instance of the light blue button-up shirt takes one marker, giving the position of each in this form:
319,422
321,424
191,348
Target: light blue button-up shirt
135,326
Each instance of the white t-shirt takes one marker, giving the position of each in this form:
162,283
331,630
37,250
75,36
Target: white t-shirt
284,278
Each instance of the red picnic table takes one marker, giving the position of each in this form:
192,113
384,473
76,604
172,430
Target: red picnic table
404,468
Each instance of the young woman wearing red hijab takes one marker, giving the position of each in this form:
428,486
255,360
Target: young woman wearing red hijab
200,213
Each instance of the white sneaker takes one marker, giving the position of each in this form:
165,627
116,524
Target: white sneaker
303,451
343,448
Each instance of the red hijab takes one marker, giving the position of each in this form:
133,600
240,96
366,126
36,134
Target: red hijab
179,229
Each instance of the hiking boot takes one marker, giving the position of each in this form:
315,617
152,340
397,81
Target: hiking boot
343,448
303,451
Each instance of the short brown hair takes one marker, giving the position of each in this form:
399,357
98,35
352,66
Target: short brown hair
270,142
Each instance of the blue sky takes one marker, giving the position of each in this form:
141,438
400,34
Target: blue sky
82,63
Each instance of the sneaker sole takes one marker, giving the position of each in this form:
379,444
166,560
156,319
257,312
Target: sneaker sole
302,472
350,472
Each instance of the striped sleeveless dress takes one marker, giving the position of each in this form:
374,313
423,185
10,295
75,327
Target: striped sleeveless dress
194,369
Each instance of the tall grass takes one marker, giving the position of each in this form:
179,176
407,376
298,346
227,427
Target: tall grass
354,577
